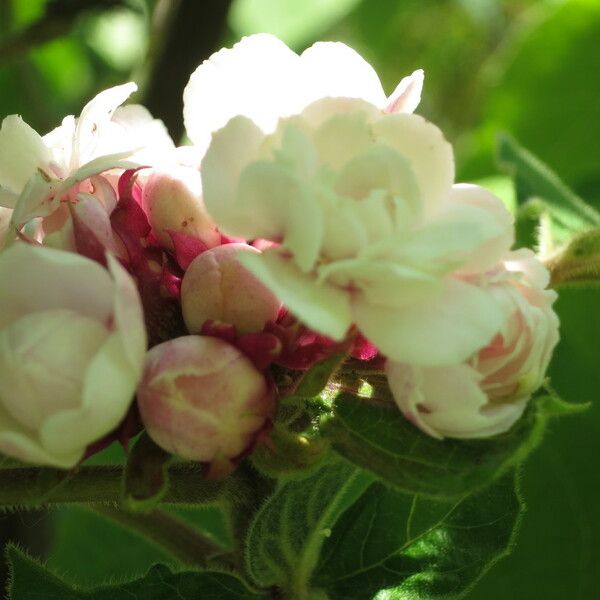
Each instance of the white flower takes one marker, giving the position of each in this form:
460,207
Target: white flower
37,172
72,345
486,394
262,79
372,230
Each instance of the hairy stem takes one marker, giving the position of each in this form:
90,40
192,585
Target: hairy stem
184,542
38,486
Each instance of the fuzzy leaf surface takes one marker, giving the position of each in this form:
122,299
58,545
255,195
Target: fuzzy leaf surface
376,436
417,548
30,581
285,539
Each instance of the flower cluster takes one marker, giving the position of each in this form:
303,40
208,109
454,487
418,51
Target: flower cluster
312,215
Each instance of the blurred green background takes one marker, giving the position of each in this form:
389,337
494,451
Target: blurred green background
531,68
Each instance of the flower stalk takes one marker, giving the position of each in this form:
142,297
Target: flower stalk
37,486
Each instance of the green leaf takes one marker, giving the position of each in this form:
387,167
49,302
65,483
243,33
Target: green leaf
417,548
538,87
568,213
574,369
560,480
86,547
287,533
30,581
375,436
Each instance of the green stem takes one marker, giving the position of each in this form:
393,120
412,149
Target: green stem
37,486
185,543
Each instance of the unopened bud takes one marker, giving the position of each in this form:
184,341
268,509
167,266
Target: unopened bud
218,287
202,399
173,202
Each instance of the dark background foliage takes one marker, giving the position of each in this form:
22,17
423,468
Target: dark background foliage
529,67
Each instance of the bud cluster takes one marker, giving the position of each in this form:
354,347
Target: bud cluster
313,216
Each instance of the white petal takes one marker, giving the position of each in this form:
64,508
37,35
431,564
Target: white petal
128,314
96,166
445,330
60,142
407,95
43,356
5,215
108,391
133,128
110,379
425,148
461,237
319,112
8,199
381,282
37,278
322,307
525,261
257,78
339,138
22,444
335,70
231,150
38,199
95,114
23,152
491,251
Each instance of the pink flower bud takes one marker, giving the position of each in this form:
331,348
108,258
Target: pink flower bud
202,399
216,286
173,202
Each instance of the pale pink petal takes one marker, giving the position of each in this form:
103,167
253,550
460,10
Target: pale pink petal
407,95
449,402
